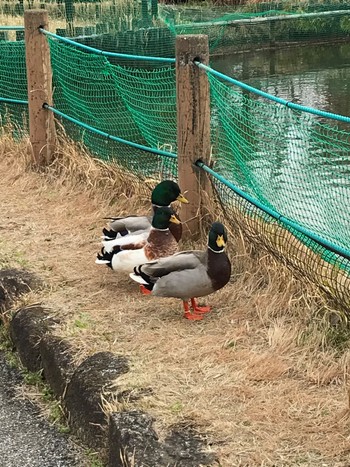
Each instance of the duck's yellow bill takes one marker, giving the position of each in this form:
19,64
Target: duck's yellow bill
220,241
182,199
174,219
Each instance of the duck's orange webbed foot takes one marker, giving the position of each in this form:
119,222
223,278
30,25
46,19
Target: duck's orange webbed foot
199,309
189,315
144,291
193,316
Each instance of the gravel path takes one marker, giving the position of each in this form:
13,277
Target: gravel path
26,440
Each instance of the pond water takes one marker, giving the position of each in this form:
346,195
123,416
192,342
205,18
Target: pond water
314,75
294,164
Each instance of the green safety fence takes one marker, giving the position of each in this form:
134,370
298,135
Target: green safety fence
285,159
13,84
261,24
292,245
124,102
284,179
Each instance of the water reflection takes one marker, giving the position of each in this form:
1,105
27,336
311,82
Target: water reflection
314,75
294,163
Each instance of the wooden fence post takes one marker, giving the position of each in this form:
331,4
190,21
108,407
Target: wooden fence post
39,83
144,10
69,9
193,125
154,8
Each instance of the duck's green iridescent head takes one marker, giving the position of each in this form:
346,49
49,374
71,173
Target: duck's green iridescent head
163,217
217,237
167,192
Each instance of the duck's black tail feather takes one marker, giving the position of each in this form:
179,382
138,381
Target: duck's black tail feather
105,258
111,234
149,281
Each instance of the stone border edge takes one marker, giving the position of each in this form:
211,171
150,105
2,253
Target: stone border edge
126,438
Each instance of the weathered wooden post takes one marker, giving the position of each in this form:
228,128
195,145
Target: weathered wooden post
144,10
272,33
193,125
39,83
154,8
21,7
70,13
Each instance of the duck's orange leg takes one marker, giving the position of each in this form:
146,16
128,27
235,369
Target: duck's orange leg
144,291
189,315
199,309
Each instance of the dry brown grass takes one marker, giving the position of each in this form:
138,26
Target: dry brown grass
264,375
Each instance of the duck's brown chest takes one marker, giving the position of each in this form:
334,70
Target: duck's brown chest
160,243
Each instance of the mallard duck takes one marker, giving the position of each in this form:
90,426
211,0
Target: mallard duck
163,194
188,274
159,242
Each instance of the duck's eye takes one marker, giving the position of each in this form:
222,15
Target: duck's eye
220,241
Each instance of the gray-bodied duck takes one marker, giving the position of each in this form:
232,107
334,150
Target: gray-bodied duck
189,274
128,252
163,194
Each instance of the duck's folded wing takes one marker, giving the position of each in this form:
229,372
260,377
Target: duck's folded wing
177,262
128,242
131,223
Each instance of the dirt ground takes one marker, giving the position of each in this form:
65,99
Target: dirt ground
259,375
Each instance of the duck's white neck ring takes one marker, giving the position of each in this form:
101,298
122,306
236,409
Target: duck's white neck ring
160,230
214,251
157,206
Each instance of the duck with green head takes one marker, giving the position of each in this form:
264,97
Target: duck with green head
189,274
165,193
128,252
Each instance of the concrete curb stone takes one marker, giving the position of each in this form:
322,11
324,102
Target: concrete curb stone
124,439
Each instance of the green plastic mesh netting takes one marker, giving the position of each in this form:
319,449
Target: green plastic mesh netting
295,164
288,162
260,24
136,105
13,83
